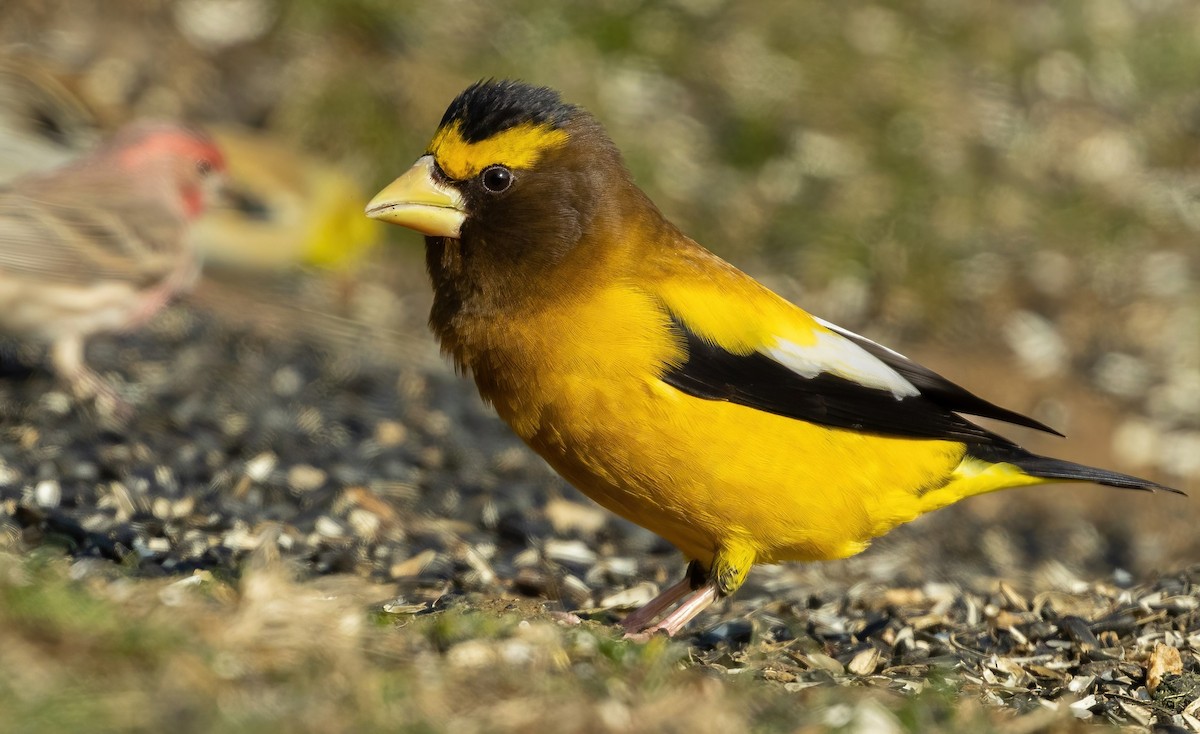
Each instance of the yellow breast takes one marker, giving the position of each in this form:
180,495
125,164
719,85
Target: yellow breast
580,384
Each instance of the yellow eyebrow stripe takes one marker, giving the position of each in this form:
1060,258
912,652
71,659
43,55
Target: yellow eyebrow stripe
516,147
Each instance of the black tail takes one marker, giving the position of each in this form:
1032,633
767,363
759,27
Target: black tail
1047,468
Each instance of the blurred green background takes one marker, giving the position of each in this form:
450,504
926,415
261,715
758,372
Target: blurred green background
1006,190
965,180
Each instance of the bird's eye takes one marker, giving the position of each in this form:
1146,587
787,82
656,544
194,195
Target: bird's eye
496,178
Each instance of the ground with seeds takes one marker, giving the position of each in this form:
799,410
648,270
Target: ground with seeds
393,492
312,523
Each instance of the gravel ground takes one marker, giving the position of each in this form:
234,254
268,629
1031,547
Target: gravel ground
340,462
1005,191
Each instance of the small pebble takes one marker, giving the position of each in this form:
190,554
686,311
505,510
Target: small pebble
261,466
47,493
390,433
329,527
305,478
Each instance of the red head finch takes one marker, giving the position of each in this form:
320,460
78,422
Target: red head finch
101,243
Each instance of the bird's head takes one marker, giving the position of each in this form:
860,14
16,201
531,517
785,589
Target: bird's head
183,163
512,183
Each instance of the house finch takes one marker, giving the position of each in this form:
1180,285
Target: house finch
101,244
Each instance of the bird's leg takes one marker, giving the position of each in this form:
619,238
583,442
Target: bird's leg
646,613
66,354
689,588
696,602
726,575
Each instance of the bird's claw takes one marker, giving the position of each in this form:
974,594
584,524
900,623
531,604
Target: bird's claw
644,636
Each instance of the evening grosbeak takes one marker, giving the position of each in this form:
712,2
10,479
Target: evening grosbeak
664,383
100,244
282,208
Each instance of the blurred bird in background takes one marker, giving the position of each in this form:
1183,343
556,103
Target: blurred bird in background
284,246
101,243
664,383
43,122
282,241
282,208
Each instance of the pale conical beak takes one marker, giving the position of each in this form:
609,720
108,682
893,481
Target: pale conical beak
417,201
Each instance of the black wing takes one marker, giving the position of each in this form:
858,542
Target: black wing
937,388
759,382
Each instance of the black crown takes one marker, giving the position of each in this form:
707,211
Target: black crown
492,106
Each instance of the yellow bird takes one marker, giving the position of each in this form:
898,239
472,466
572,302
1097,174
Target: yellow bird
281,209
667,385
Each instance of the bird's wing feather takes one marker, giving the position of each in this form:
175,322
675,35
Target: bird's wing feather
937,388
68,244
744,344
759,381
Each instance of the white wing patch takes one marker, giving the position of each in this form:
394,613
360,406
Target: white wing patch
837,355
852,335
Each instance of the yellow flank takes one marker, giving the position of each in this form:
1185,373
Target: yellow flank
727,484
517,147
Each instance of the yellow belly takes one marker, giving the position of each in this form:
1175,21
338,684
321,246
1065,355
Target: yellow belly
707,475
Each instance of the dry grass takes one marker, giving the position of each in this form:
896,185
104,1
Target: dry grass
264,653
934,173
